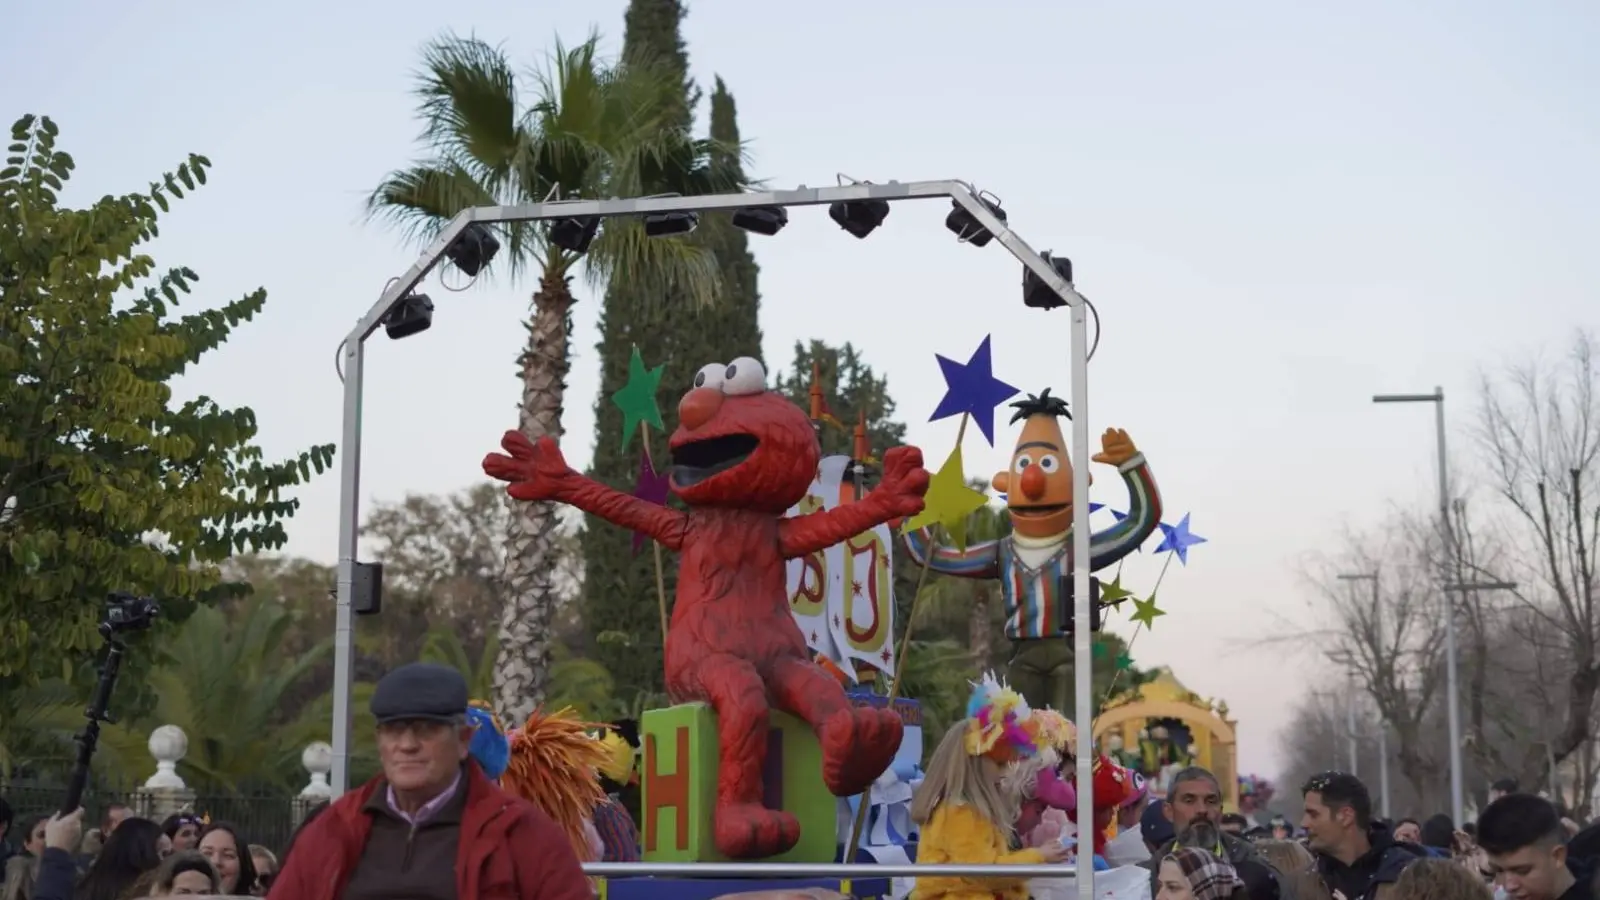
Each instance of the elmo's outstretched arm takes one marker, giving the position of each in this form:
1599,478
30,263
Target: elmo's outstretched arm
538,471
899,493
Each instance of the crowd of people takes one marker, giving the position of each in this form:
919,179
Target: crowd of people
437,823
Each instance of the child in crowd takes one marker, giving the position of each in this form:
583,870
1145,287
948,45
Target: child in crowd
966,815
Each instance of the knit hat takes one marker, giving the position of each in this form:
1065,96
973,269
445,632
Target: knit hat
1210,878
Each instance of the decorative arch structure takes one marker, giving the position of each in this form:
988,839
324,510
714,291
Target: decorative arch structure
1123,732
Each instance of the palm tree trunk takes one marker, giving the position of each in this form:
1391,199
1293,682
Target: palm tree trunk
522,669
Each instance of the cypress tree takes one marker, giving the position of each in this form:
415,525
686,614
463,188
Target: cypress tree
619,593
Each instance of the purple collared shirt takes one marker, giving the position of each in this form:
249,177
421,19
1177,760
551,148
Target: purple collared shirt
429,809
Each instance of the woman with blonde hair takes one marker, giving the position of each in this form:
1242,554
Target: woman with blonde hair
1296,870
967,815
1439,879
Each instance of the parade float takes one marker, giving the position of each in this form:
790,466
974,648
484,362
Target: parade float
1161,727
772,728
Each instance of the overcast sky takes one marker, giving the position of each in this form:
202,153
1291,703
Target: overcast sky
1279,208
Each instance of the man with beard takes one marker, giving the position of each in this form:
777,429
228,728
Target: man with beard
1195,799
1526,844
1357,858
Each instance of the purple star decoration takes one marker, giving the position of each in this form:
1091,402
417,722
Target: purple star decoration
1178,539
973,389
651,488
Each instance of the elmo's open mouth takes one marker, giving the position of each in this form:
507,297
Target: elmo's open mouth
1038,511
696,461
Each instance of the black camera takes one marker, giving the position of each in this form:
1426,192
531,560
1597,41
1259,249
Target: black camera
126,612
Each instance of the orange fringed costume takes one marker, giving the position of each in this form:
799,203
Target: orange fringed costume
554,764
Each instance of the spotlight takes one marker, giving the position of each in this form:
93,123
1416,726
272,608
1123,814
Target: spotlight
574,235
767,220
411,314
966,228
473,249
1036,293
670,223
859,217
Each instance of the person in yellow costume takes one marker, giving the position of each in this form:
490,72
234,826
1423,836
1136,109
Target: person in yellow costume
1034,562
967,815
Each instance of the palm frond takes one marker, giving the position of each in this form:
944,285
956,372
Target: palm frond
468,105
420,199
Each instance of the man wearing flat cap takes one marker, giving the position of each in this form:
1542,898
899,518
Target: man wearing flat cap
432,826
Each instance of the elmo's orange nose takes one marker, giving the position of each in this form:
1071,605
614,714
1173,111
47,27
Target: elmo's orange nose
1033,482
698,407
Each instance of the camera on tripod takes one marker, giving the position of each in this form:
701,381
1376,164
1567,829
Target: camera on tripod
126,612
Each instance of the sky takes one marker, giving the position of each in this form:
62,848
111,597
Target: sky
1279,210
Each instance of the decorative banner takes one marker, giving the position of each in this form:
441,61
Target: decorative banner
865,629
816,581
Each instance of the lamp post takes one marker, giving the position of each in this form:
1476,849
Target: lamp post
1383,762
1455,731
1452,693
982,215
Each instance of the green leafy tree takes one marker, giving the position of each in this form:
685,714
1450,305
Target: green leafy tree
583,127
619,599
105,484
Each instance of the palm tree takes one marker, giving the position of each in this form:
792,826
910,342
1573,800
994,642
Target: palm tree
225,681
590,128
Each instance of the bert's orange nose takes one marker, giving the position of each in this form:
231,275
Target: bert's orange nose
1033,482
698,407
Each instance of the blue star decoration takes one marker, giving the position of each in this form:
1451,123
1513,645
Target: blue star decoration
1178,539
973,390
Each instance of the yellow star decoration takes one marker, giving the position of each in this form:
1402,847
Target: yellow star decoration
1146,611
949,501
1114,593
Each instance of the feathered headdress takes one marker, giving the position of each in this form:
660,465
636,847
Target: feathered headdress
998,722
553,765
1055,731
489,747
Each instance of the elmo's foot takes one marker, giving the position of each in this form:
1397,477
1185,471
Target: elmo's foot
857,747
751,831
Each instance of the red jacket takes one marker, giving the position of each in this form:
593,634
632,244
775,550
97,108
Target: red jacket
509,849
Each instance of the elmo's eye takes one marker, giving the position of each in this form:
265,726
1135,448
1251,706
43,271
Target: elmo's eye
710,376
744,376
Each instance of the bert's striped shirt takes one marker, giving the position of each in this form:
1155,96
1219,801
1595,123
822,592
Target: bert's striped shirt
1035,595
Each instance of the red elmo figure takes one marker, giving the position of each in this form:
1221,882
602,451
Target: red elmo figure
742,457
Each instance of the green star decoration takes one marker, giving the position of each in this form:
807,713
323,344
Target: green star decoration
949,502
1114,593
637,399
1099,650
1145,612
1124,662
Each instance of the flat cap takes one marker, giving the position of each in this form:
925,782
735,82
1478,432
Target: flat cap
420,691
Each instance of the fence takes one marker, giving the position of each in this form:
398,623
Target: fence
264,816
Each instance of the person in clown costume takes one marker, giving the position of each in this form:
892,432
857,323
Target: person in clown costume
966,813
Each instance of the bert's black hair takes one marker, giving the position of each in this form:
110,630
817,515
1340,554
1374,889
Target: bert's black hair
1041,405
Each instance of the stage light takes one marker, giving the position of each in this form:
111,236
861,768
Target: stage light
411,314
767,220
574,235
670,224
859,217
967,229
473,249
1036,293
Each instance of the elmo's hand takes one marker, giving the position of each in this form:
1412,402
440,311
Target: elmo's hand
535,471
904,481
1116,448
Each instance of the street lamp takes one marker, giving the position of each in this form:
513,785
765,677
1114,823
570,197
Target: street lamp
859,207
1383,725
1452,693
1455,733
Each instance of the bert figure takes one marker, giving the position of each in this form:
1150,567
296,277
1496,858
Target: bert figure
1034,563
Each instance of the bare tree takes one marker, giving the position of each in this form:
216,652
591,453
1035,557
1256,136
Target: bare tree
1387,635
1539,429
